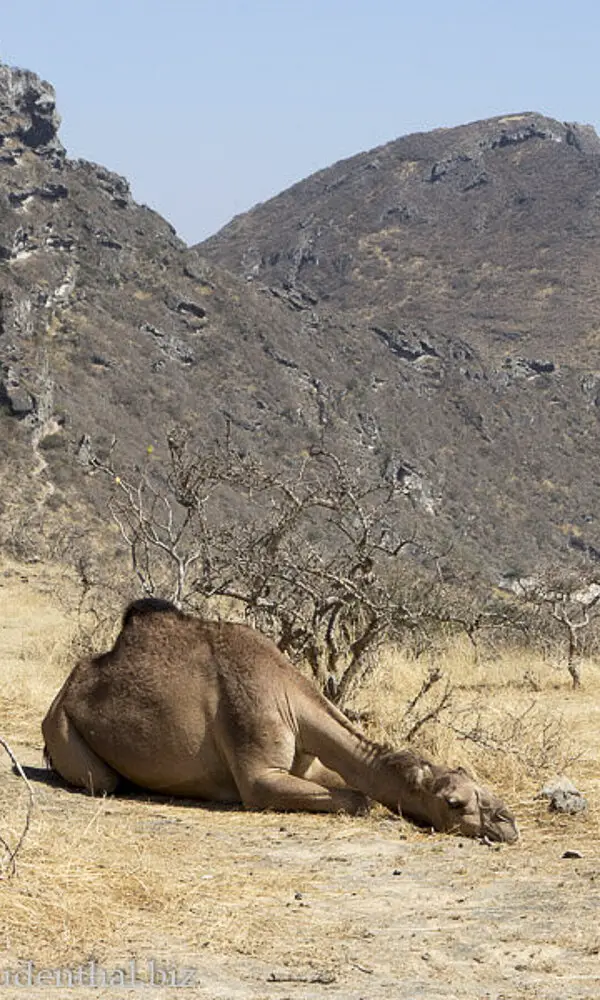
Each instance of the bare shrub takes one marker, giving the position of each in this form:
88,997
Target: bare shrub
567,607
531,737
309,554
321,559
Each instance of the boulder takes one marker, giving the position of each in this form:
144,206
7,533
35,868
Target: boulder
563,796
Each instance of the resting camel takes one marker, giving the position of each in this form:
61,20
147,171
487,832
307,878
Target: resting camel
213,710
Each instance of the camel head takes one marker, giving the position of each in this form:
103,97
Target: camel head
451,801
469,809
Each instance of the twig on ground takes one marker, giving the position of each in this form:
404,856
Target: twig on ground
10,864
290,977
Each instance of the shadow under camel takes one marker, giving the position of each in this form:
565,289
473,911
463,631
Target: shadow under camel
125,790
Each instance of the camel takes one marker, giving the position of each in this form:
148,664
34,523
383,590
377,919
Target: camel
214,711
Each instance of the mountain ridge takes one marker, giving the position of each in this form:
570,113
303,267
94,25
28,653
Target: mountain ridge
415,202
427,352
489,272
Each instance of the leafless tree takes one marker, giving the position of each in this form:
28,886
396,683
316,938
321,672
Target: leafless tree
572,601
310,553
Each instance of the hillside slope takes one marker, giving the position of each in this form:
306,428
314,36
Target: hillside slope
427,310
466,262
111,326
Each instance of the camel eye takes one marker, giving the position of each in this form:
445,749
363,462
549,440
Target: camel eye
455,802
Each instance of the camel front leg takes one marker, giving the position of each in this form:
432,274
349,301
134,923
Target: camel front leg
281,791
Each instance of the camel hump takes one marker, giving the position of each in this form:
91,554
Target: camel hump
148,606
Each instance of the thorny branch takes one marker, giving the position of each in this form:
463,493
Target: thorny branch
434,676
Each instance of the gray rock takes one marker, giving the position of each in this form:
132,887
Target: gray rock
563,796
567,802
562,784
18,401
29,104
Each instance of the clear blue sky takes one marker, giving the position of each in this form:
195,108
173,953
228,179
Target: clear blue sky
209,106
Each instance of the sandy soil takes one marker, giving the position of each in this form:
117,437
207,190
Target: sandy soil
277,906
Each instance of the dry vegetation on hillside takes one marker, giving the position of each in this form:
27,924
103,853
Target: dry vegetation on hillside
373,905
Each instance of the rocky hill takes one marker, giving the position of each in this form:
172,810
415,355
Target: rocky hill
428,309
466,264
111,326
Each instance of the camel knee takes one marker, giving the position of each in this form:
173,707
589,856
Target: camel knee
257,793
348,800
72,758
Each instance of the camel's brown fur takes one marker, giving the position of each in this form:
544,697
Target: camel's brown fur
213,710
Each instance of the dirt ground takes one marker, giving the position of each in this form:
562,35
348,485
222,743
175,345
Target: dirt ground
228,904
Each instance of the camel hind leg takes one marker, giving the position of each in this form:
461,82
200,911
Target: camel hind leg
72,758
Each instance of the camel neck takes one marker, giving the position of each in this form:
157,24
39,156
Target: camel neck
375,770
386,776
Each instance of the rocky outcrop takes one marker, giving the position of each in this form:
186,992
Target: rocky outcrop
29,117
486,231
18,400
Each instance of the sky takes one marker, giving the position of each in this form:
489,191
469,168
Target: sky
210,106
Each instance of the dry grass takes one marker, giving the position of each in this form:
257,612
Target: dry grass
115,874
35,637
123,877
513,720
